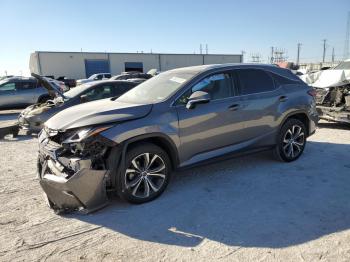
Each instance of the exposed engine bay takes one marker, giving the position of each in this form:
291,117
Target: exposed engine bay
332,92
333,103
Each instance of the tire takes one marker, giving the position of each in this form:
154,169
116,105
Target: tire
139,184
291,140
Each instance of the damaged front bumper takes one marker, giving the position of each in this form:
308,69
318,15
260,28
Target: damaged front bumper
69,182
334,114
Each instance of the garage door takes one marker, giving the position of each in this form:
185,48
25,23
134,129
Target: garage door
96,66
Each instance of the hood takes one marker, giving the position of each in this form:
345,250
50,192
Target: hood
97,112
327,78
49,84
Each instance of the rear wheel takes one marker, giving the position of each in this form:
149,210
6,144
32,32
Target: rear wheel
146,174
291,140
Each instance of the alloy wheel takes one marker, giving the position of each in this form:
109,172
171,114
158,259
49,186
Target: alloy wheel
145,175
293,141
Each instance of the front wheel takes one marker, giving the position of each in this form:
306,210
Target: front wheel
146,173
291,140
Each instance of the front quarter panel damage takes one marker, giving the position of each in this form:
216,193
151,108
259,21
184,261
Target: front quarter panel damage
73,181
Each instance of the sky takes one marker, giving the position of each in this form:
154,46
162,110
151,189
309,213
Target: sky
227,26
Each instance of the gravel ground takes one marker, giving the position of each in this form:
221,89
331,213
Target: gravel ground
250,208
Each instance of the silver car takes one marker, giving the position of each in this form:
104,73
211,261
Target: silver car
94,77
24,91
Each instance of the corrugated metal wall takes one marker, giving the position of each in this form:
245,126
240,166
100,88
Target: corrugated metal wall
73,65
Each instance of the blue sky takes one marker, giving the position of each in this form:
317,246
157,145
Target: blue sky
169,26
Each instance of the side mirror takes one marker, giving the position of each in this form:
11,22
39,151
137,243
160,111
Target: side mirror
198,97
84,98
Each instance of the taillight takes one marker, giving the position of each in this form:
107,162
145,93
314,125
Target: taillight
312,92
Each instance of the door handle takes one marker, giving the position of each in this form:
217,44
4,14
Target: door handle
283,98
233,107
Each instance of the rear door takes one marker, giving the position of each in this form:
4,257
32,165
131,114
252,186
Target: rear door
209,126
260,102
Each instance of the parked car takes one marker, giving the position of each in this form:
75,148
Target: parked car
136,80
67,81
33,117
332,88
94,77
176,119
131,75
7,76
24,91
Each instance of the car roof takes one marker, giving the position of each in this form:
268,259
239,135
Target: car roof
203,68
21,78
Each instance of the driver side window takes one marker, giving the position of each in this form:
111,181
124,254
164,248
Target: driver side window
218,86
8,87
100,92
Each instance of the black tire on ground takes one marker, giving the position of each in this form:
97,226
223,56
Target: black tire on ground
43,99
158,172
291,140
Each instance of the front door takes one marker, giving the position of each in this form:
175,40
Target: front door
211,126
8,94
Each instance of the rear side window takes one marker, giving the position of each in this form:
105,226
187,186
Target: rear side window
254,81
281,80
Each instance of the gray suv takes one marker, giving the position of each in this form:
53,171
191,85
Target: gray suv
177,119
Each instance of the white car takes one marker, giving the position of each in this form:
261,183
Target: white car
94,77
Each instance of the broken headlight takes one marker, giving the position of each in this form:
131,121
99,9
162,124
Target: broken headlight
83,140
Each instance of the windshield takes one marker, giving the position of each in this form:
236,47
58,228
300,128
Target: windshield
92,77
157,88
77,90
3,81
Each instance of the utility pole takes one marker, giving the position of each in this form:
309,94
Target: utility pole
243,53
333,55
206,48
272,51
298,55
346,54
200,49
324,50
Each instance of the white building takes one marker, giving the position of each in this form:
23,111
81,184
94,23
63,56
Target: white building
83,64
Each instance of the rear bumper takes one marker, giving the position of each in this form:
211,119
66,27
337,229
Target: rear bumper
333,114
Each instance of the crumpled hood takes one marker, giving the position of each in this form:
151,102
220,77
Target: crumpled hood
95,113
38,108
50,84
327,78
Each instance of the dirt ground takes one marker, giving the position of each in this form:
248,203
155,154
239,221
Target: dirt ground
245,209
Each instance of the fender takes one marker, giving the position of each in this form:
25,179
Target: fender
119,153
